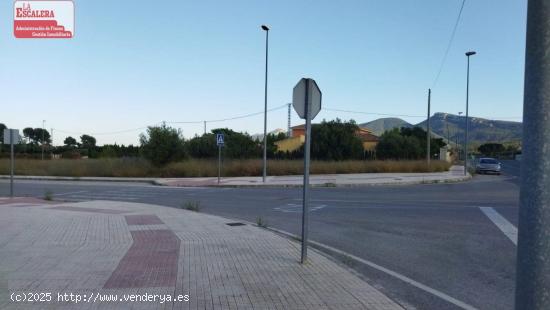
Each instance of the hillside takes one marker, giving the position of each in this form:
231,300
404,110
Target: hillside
444,124
380,125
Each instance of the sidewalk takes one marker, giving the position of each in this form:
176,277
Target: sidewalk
102,248
455,174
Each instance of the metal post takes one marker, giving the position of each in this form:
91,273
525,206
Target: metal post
11,162
305,198
428,135
288,127
468,54
533,251
467,121
43,125
219,163
264,175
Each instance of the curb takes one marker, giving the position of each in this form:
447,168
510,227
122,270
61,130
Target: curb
89,179
324,185
158,182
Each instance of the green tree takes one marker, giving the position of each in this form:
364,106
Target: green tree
88,141
162,145
237,145
2,127
335,140
37,135
491,149
70,142
406,143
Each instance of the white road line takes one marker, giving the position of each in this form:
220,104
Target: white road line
101,197
70,193
392,273
506,227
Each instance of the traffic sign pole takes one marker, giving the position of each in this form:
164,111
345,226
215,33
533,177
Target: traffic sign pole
219,163
305,199
11,162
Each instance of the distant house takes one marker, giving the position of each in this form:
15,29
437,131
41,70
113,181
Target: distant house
297,138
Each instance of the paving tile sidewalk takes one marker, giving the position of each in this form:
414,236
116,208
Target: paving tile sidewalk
98,249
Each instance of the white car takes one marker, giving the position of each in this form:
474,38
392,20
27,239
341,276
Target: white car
488,165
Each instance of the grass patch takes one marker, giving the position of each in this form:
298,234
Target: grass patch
48,195
138,167
192,206
261,222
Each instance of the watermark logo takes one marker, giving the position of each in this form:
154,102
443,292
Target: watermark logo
43,19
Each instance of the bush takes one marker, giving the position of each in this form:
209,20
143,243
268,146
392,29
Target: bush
162,145
335,140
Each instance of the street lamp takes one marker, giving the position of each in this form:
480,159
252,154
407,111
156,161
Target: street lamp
468,54
43,126
266,29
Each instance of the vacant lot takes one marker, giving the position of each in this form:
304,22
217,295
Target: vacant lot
136,167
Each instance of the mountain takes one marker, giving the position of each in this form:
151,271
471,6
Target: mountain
380,125
481,130
453,126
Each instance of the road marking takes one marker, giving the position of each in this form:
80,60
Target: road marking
392,273
70,193
295,208
506,227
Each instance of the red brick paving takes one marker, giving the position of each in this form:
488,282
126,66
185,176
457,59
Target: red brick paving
143,219
151,261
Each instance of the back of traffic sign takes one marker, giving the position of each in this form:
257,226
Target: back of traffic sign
306,94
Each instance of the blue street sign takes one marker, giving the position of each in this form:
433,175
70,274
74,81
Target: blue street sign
219,139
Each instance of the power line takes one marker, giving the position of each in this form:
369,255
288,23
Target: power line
372,113
229,118
449,44
174,122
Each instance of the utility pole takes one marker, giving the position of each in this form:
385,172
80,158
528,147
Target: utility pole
264,174
428,138
533,251
43,126
204,127
288,132
468,54
12,161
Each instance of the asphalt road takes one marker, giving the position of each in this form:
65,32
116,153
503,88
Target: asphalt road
434,234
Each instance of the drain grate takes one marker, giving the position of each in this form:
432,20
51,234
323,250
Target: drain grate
235,224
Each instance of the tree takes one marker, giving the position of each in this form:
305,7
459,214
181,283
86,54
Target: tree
2,127
406,143
491,149
28,133
87,141
162,145
37,135
335,140
237,145
70,142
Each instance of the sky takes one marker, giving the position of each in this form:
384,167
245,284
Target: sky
133,64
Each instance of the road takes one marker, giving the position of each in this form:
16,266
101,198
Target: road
434,234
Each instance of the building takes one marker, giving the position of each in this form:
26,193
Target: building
297,138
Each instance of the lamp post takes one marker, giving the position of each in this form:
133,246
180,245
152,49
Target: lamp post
266,29
43,126
468,54
457,133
